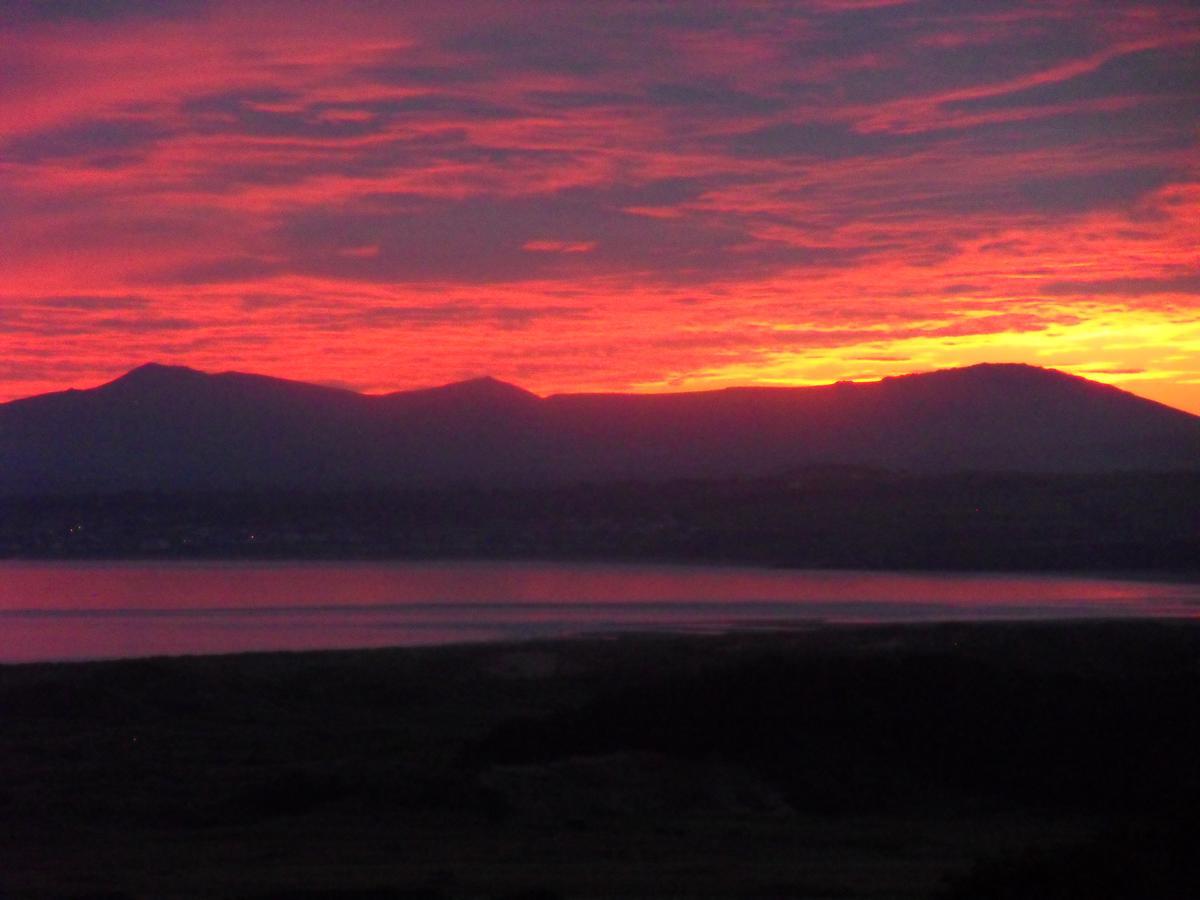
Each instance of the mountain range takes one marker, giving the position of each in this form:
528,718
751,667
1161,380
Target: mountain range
169,428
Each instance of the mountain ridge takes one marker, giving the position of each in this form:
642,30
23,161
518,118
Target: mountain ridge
156,372
162,427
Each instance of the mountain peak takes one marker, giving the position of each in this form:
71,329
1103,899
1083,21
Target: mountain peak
985,370
486,383
1010,370
485,389
153,373
1010,378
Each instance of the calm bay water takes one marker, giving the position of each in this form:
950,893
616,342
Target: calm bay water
70,610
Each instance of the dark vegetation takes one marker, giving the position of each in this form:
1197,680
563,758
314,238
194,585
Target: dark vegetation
822,517
957,761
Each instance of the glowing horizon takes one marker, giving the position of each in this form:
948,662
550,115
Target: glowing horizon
617,196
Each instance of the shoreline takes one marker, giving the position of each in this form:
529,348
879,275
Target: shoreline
134,609
633,638
1180,575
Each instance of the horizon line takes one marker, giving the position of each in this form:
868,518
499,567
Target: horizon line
349,389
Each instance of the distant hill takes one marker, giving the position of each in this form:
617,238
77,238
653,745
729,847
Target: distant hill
172,428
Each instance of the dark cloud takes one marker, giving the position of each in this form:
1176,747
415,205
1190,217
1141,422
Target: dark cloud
102,139
991,59
349,315
1054,196
22,12
233,268
553,49
711,98
1163,124
457,313
90,302
932,48
656,192
587,39
402,73
1082,192
258,114
817,140
704,17
54,323
1126,287
231,102
1142,74
435,104
481,239
44,364
582,99
423,150
147,324
281,114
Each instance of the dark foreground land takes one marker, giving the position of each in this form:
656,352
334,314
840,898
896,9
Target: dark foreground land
956,761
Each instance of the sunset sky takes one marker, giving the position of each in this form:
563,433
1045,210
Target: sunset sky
599,195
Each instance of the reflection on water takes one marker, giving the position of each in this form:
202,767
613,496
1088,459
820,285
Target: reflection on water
113,609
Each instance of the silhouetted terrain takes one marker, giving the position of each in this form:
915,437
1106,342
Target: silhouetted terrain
828,517
954,761
175,429
1039,762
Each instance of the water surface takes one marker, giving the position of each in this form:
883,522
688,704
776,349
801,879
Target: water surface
78,610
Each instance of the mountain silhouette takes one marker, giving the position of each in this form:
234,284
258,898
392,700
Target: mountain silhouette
173,428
